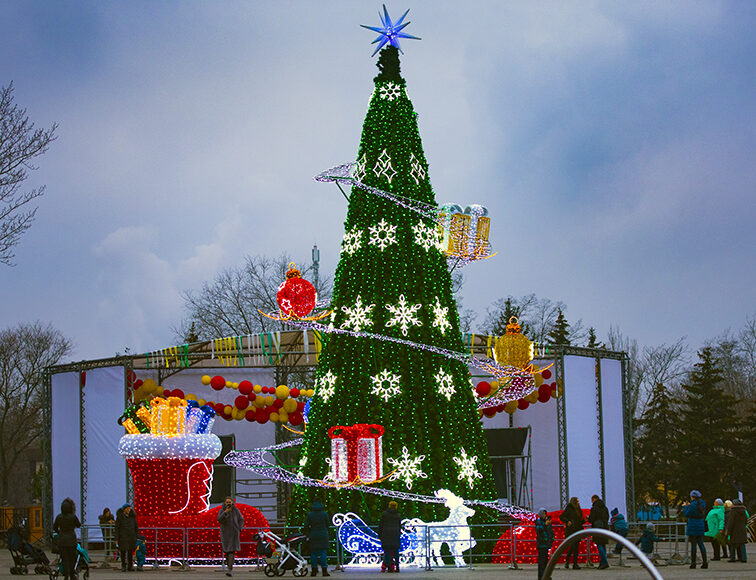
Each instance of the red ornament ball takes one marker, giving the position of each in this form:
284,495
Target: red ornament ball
301,406
278,403
296,296
544,397
262,416
522,404
167,393
546,374
241,402
294,392
251,397
295,418
219,408
251,415
218,383
177,393
489,412
245,387
483,388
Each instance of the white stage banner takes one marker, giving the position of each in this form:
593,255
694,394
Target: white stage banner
614,442
583,462
106,470
66,443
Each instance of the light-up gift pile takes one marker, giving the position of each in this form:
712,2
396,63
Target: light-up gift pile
356,453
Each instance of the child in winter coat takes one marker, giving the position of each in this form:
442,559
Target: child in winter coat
141,552
647,539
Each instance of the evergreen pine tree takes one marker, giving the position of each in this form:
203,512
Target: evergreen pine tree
500,323
592,340
560,332
745,464
656,461
392,279
707,439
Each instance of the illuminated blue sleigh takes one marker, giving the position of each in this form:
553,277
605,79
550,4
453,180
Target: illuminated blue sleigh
362,542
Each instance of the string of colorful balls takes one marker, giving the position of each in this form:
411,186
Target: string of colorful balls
255,403
541,394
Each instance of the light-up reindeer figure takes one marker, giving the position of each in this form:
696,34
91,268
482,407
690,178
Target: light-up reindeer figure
454,531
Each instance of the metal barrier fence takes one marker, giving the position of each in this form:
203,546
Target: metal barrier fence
506,544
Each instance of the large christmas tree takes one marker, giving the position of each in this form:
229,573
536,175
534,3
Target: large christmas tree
392,280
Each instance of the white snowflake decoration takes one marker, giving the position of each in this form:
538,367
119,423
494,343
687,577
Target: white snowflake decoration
385,384
407,468
390,91
445,384
358,316
325,386
417,170
383,166
360,168
440,317
403,315
382,235
426,236
352,241
467,468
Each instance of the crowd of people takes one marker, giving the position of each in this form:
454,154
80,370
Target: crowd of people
724,526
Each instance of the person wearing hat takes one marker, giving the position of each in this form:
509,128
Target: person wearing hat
737,531
695,511
316,528
544,539
389,532
126,532
647,539
715,525
618,525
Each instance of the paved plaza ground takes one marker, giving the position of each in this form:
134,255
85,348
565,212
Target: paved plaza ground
479,572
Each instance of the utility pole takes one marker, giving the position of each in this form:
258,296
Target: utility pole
315,265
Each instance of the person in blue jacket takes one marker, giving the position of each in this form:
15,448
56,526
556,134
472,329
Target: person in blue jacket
544,539
695,511
647,539
316,528
618,525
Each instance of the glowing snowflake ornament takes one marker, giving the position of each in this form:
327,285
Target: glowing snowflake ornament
403,315
440,317
445,384
467,467
417,170
352,241
382,235
390,91
390,32
383,166
325,386
407,468
426,236
385,384
358,316
360,168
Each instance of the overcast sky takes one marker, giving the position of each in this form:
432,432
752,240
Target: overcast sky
614,144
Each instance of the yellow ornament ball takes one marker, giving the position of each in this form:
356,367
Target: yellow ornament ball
205,380
274,417
269,399
290,405
228,409
201,402
159,391
149,386
510,407
494,387
282,391
259,402
228,384
310,392
283,417
532,397
190,397
257,389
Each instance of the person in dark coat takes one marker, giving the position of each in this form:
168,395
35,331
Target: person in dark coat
106,526
599,518
231,524
544,539
65,526
647,539
126,532
316,528
737,530
695,511
389,532
573,520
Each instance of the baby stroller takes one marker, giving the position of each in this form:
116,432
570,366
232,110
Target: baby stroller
288,559
25,554
81,565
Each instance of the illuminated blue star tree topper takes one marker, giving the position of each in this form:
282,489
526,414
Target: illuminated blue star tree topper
390,32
